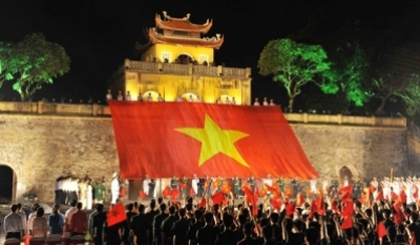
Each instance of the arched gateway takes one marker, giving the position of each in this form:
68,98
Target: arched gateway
8,183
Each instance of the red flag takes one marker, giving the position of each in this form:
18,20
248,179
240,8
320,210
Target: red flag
394,196
348,210
175,193
192,192
288,192
166,192
262,192
276,203
175,140
364,199
122,192
344,190
116,214
312,208
347,223
399,215
403,196
273,190
203,203
345,197
320,206
300,200
381,230
226,188
218,198
143,195
290,208
182,185
250,197
380,196
372,189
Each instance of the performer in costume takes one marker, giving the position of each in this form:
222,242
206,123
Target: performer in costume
174,183
208,186
334,186
374,183
184,186
146,186
236,182
251,183
312,186
89,195
281,184
115,188
152,185
194,183
100,192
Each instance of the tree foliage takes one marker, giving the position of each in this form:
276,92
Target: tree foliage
348,74
293,64
31,63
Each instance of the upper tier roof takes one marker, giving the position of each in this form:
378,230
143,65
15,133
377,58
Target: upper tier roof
215,42
181,24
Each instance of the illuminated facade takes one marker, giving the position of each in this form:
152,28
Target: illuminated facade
178,62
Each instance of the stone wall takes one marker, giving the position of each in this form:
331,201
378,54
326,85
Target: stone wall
366,151
40,148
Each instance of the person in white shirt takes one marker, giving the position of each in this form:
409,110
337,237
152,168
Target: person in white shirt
179,99
109,95
265,102
115,188
146,183
194,183
312,185
149,97
31,218
13,225
89,195
128,96
346,181
160,98
256,102
120,95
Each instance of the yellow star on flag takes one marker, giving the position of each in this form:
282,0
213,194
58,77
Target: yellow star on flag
215,140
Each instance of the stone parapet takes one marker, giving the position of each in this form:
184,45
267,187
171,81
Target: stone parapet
103,111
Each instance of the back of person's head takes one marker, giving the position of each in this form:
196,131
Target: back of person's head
73,203
163,207
208,218
79,205
242,219
130,207
160,200
312,236
40,212
153,204
247,229
172,210
369,212
99,208
14,208
19,206
198,214
227,220
264,222
182,212
189,200
136,205
35,207
141,208
267,232
274,218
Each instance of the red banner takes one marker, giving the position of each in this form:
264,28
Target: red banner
174,138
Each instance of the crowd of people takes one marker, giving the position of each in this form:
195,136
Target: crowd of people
341,212
159,98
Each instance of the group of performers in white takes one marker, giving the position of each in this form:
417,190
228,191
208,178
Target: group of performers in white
84,190
89,192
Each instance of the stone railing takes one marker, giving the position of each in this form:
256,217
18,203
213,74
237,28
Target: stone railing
103,110
186,69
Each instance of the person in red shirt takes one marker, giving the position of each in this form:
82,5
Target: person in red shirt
78,221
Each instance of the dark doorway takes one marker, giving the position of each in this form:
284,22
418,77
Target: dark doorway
7,183
345,171
185,59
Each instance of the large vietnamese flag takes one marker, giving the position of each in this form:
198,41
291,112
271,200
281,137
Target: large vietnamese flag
176,138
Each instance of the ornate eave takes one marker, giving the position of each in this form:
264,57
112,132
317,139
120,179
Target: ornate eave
214,42
181,24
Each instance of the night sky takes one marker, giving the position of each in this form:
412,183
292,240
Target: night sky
99,34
